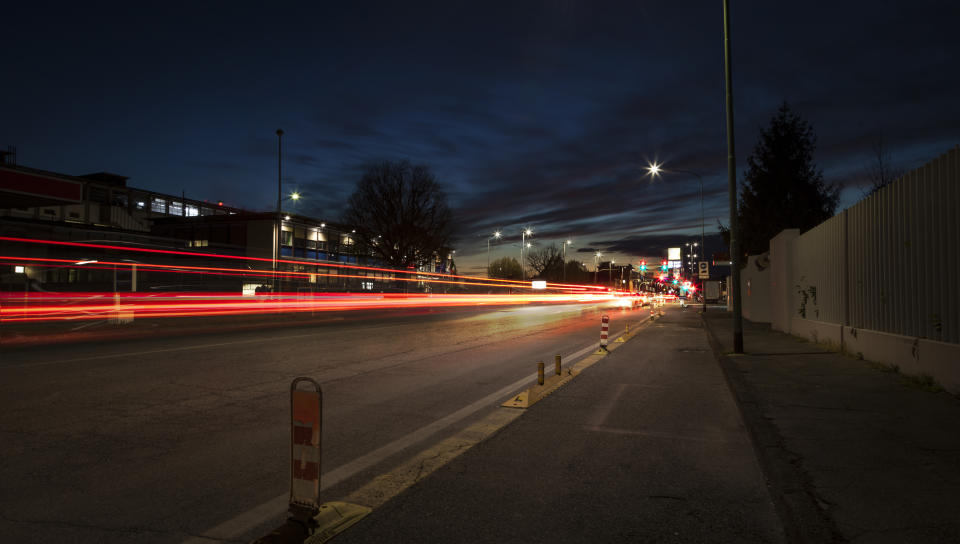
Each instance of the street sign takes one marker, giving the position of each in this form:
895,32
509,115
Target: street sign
704,271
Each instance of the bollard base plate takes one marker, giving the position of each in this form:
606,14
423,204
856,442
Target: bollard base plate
334,518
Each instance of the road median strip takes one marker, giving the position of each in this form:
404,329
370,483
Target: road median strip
533,395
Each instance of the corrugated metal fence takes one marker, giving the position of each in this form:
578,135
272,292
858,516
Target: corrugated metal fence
891,262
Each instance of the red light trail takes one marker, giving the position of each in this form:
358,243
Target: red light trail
33,307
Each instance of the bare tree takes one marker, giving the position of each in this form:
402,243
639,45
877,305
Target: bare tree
547,261
400,213
881,171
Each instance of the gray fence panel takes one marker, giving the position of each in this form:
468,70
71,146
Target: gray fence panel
893,258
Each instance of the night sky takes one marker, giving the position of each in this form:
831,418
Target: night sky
540,114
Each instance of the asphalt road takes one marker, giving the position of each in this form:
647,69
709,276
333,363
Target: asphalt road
186,439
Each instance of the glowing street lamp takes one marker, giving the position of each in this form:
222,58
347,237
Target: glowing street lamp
565,244
496,235
523,243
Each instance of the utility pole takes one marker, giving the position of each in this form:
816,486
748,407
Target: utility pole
276,256
733,290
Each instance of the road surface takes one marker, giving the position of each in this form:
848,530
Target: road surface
186,439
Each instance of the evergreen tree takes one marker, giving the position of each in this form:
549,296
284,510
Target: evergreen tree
782,188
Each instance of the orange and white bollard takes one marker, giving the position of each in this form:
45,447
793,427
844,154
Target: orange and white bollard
604,332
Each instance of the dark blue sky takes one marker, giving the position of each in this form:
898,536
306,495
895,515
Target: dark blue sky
530,113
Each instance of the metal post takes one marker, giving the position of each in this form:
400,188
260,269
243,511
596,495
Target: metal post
564,262
703,244
540,372
276,255
733,290
556,361
488,257
523,240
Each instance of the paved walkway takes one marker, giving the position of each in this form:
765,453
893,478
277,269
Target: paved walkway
647,445
853,452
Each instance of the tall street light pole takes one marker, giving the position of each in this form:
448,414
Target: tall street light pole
276,254
523,243
596,267
497,236
565,244
732,182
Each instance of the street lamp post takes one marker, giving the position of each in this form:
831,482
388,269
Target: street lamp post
733,290
523,243
565,244
656,170
497,236
276,253
596,267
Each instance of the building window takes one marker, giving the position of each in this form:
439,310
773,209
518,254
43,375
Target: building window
158,205
99,194
176,208
141,204
286,238
192,211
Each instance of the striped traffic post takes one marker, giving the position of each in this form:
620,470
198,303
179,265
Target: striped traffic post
305,432
604,331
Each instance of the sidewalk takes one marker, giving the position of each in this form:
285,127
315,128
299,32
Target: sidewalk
647,445
853,452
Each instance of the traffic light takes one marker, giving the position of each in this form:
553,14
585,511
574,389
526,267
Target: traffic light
663,266
643,266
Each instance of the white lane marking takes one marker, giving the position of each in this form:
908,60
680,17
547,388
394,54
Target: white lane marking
236,527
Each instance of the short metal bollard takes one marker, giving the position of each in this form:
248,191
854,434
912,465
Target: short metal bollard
557,363
540,373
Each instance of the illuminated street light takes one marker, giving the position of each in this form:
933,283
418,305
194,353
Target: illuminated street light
565,244
294,196
496,235
523,243
596,266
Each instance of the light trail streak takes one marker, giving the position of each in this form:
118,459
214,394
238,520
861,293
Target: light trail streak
33,307
89,245
55,307
187,269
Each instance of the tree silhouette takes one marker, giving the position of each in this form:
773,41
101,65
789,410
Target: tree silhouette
782,188
400,213
881,171
505,268
546,261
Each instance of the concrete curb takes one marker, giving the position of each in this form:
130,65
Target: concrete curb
790,486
